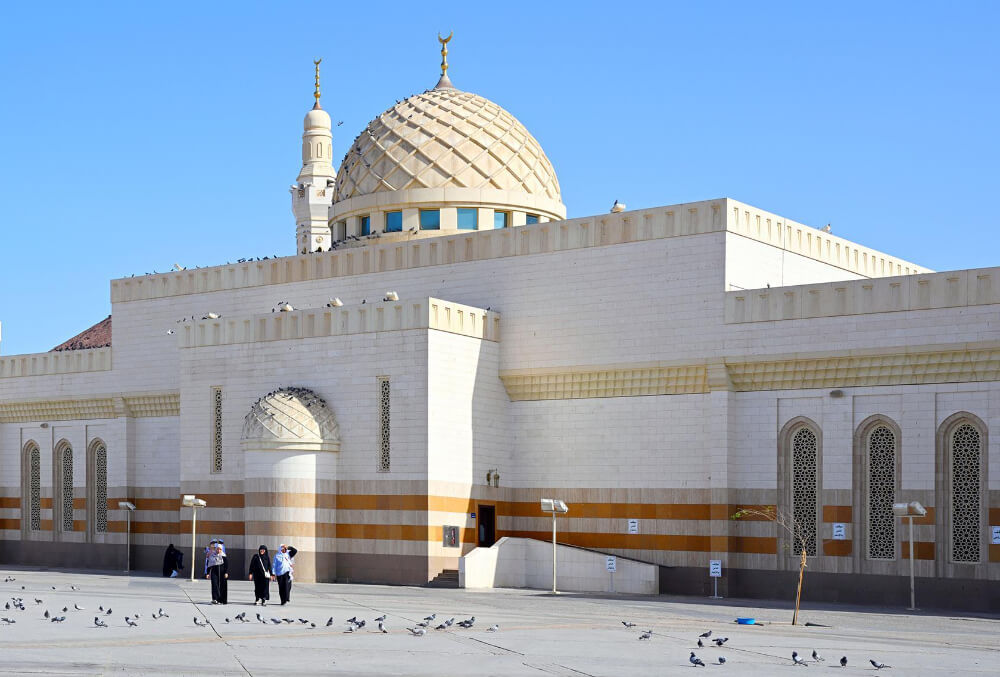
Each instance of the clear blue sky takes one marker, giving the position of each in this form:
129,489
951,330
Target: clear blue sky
135,136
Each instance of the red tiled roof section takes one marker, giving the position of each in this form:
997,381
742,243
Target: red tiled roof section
98,336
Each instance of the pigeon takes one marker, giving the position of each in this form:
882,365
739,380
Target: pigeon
646,635
442,626
467,624
136,616
843,661
163,614
418,632
877,665
100,608
304,621
701,644
353,620
73,587
705,634
448,622
53,587
360,624
719,641
46,614
200,624
380,618
38,601
430,618
493,628
77,607
381,627
695,661
798,659
288,620
8,621
65,609
276,621
817,657
57,619
628,624
108,612
328,623
227,620
722,660
423,624
131,623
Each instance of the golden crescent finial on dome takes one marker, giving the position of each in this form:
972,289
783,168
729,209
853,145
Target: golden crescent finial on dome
316,94
444,52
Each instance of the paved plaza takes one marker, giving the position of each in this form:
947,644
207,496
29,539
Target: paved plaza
572,634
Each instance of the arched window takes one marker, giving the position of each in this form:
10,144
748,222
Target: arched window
881,473
31,490
965,480
805,453
97,487
64,485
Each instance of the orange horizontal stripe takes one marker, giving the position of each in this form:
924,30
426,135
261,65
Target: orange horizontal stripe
151,503
220,500
292,529
46,503
837,513
45,525
213,527
994,553
994,515
838,548
290,500
10,502
676,542
10,524
921,549
79,503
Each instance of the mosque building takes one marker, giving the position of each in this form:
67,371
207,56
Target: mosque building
446,348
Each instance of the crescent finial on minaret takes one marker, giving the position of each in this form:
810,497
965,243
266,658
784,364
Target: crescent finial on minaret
316,94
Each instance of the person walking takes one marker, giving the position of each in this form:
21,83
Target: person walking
260,574
173,561
218,572
281,571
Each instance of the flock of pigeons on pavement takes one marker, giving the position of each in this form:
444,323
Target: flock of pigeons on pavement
105,617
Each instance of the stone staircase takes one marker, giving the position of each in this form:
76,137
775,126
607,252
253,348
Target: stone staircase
448,578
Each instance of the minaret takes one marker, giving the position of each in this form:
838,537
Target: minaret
312,193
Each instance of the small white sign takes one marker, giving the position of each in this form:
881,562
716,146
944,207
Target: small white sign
611,564
633,526
839,531
995,539
715,568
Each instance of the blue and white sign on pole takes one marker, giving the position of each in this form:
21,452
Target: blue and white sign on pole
715,571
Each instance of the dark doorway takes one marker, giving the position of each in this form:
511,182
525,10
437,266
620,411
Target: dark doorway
486,525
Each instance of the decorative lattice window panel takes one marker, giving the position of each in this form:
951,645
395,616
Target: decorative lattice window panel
384,402
100,489
881,493
966,452
804,489
34,489
216,430
67,489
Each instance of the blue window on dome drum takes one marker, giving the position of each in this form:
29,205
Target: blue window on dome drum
530,218
366,225
501,219
394,222
468,219
430,219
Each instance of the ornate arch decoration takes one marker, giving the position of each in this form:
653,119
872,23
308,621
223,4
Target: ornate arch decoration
960,496
878,445
290,419
62,486
97,487
800,472
31,488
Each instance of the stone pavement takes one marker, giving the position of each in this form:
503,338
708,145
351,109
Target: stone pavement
571,634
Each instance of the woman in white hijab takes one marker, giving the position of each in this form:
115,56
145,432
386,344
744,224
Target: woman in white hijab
218,572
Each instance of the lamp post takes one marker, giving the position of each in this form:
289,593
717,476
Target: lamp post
556,507
193,502
128,508
909,511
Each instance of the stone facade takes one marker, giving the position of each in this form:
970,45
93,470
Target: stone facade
653,365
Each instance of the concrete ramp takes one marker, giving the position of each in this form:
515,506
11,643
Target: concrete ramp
527,563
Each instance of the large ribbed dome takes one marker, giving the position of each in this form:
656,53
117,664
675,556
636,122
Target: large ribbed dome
446,138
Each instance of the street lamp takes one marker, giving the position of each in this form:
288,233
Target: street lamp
128,508
910,510
556,507
193,502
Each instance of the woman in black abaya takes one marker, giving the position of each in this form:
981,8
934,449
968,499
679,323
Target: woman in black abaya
218,572
260,574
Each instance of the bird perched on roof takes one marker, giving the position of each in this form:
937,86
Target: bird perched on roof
706,634
381,628
328,623
817,657
335,302
843,661
418,632
57,619
493,628
617,207
695,661
129,622
722,660
877,665
701,644
628,624
391,296
99,623
211,316
199,623
719,641
646,635
797,659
